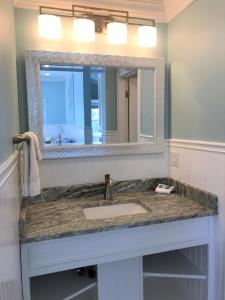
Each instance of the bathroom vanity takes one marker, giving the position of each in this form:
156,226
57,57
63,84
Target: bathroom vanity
117,109
56,235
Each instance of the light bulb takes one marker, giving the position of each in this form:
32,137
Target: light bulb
49,27
117,33
147,36
84,30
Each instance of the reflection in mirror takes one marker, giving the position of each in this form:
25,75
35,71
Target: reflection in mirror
96,105
146,80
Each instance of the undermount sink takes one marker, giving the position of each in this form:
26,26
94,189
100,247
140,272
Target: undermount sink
111,211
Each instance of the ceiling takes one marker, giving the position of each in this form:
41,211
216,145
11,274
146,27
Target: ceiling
160,10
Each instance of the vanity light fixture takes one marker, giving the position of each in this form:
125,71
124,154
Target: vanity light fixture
49,27
117,33
89,19
84,30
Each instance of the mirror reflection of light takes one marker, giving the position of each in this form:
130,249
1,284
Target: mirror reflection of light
47,74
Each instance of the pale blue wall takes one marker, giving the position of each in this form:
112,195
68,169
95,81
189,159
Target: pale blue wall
196,54
8,81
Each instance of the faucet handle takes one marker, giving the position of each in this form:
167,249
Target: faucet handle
108,179
108,188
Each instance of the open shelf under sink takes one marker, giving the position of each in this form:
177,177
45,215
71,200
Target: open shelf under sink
172,264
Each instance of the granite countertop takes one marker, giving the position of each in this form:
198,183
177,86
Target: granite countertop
48,219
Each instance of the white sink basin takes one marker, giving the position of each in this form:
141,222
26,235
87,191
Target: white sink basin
111,211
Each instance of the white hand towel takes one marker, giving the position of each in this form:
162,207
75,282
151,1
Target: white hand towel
31,157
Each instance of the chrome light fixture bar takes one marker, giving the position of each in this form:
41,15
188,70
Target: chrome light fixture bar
90,19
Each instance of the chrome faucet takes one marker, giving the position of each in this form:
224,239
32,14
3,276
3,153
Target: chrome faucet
108,188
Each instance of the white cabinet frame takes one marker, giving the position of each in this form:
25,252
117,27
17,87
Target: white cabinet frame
103,248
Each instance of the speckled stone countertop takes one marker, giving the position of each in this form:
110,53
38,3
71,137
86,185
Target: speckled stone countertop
49,217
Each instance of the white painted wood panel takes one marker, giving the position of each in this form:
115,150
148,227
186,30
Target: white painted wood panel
62,172
202,164
105,248
110,246
121,280
10,284
198,256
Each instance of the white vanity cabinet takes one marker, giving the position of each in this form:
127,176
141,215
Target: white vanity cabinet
119,256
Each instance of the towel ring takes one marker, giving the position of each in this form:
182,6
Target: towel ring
17,139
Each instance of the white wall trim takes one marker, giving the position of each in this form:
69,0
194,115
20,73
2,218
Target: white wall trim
7,167
197,145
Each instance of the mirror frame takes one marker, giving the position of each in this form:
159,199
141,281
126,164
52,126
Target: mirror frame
35,58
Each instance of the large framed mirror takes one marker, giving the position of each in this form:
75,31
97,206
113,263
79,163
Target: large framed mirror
93,105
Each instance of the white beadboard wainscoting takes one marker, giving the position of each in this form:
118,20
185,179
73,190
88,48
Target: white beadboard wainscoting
196,289
61,172
10,284
202,164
